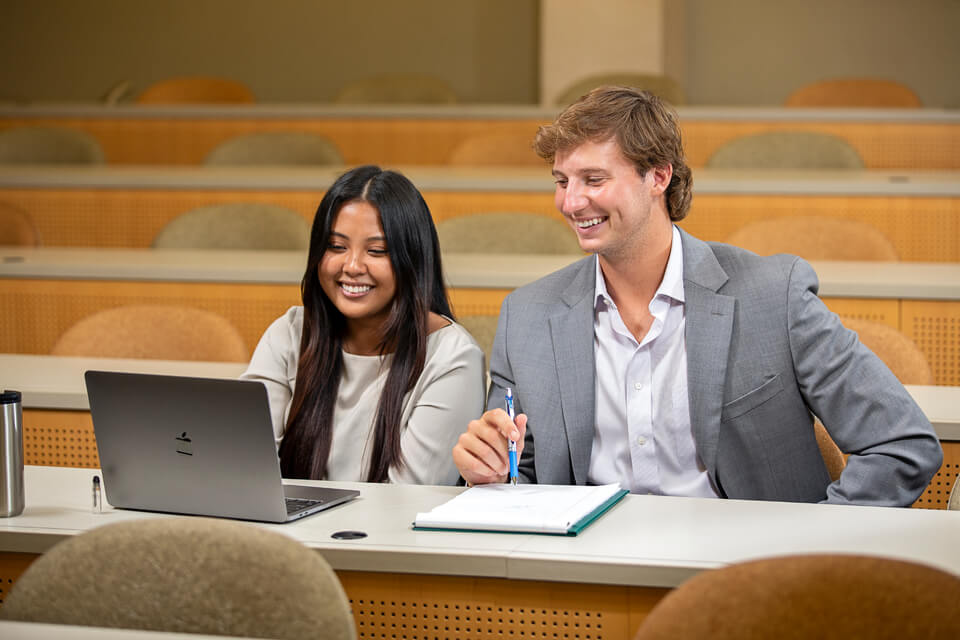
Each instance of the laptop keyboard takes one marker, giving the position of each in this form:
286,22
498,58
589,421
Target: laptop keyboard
298,504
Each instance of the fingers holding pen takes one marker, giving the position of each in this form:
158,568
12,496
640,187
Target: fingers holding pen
481,451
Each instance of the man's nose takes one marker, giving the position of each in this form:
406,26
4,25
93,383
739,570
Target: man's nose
573,200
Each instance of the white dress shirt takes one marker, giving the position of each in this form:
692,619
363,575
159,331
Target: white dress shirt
643,438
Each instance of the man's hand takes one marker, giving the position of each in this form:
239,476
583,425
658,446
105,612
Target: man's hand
481,452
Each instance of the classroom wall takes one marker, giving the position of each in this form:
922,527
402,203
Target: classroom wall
741,52
285,50
724,52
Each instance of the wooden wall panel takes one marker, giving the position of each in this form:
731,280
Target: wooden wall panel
430,141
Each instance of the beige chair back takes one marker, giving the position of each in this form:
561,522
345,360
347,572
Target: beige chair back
503,149
810,596
397,88
896,349
786,150
49,145
662,86
236,225
196,90
953,503
185,575
502,232
854,92
276,148
16,227
154,332
815,238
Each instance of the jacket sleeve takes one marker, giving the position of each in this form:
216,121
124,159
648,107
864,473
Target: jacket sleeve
893,449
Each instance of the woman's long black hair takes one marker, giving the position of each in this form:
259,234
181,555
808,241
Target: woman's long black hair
415,257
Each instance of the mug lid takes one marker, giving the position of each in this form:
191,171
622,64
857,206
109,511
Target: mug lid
9,397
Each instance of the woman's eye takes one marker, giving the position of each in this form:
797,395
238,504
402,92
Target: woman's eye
377,252
335,247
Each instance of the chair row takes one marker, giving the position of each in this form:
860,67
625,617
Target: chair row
252,225
141,570
767,150
417,88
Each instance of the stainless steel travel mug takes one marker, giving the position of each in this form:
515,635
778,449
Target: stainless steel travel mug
11,455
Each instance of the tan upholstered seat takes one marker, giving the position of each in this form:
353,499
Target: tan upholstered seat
502,149
185,575
953,503
896,349
236,225
663,86
810,596
16,227
155,332
815,238
276,148
502,232
483,329
196,90
786,150
854,92
48,145
397,88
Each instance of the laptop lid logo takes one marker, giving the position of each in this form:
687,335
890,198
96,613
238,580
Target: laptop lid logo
184,444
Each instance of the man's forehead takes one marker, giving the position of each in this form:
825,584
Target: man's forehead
588,155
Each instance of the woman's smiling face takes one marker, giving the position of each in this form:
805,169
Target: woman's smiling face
355,271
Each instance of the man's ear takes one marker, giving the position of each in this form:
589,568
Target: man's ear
661,178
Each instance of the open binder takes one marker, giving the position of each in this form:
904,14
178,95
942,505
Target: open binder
526,508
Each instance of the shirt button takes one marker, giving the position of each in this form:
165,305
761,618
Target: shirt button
638,386
641,441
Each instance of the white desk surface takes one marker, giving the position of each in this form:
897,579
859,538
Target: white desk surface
906,280
876,182
313,111
644,540
43,631
56,382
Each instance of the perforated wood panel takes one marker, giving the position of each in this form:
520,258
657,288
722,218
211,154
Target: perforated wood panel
477,302
921,229
875,310
405,606
12,566
133,217
400,141
59,439
938,491
935,327
881,145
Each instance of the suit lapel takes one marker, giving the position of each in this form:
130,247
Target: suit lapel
572,334
709,329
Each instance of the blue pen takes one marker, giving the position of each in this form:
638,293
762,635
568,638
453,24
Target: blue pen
512,446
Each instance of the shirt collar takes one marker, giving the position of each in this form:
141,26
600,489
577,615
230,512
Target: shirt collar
671,286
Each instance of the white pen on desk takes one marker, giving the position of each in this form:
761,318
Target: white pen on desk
511,444
97,501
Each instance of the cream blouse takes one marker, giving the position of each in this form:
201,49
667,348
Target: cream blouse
448,394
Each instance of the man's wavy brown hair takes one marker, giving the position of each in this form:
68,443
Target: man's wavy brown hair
644,127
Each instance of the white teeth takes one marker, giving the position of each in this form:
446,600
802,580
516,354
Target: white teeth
349,288
583,224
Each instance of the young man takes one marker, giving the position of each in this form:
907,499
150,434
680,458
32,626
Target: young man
676,366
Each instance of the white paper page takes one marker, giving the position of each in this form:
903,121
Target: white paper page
530,507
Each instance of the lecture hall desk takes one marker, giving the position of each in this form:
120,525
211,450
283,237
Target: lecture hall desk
598,585
427,135
127,206
44,291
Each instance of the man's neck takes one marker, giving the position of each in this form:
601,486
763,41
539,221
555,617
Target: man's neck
634,278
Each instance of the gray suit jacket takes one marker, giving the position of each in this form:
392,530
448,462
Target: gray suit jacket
763,353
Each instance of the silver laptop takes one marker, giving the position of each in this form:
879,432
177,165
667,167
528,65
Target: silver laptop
199,446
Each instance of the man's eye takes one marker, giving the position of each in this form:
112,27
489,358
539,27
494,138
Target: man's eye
594,181
561,183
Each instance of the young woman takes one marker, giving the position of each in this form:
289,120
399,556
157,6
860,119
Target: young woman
371,379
